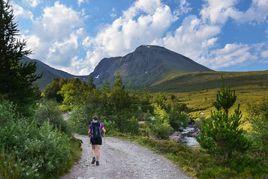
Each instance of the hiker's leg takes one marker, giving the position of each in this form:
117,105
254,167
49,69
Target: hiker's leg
97,152
93,153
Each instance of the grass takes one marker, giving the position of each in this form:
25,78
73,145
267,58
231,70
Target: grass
201,102
210,80
194,162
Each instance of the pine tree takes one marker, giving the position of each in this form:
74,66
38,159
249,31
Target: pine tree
90,83
225,99
16,78
221,134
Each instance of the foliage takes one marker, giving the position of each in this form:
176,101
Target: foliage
178,119
177,111
31,150
225,99
16,77
48,111
73,93
7,112
79,121
90,83
259,120
160,123
39,151
221,135
52,90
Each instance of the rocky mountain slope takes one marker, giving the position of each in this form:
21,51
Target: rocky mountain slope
144,66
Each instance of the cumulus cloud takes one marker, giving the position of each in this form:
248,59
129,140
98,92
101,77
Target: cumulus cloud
33,3
56,35
258,12
142,23
184,8
20,12
235,54
192,38
218,11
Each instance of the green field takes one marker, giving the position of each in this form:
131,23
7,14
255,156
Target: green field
198,90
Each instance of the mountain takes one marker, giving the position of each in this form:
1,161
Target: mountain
49,73
143,67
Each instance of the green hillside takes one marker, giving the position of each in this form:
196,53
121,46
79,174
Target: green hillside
210,80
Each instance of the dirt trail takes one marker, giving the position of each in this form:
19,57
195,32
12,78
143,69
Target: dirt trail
123,160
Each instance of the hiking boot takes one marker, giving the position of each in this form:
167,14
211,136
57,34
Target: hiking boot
93,160
97,163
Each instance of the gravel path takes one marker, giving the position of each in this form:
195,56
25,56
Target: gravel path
123,160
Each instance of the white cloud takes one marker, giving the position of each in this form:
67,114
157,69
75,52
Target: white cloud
132,29
232,54
20,12
33,3
193,38
81,2
258,12
56,35
113,13
87,42
184,8
218,11
264,54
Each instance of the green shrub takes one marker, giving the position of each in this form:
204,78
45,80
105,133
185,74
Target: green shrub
7,112
79,121
178,119
222,137
160,123
48,111
259,120
39,152
9,168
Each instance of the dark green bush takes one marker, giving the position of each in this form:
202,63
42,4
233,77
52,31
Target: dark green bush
259,119
7,112
178,119
79,121
47,111
38,151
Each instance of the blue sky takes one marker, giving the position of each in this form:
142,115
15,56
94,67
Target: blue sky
74,35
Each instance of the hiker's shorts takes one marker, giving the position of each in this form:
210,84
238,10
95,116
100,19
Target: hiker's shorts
96,141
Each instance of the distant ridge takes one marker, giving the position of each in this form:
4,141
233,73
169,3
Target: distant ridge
49,73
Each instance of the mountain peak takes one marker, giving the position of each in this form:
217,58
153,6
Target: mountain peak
144,66
149,47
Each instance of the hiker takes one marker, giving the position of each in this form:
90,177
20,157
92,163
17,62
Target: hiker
96,131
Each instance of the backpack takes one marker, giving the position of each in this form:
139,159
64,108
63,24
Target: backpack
95,126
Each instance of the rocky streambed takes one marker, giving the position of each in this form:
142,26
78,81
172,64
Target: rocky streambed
187,135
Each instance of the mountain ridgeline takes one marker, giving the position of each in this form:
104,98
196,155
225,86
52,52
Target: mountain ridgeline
49,74
145,66
156,69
